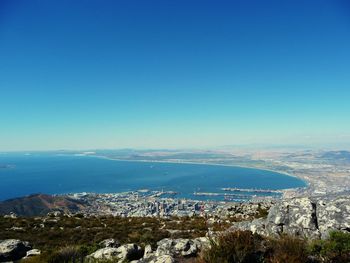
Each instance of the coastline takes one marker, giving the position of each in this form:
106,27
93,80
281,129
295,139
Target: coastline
307,183
284,191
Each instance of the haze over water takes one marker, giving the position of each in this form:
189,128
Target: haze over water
57,174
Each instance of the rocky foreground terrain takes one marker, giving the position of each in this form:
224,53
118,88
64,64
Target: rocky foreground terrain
306,217
167,251
174,240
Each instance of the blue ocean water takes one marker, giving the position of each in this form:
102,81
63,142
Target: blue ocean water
57,174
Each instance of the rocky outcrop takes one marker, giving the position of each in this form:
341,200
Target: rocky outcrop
180,247
32,253
305,217
121,254
334,214
155,259
13,249
169,249
11,215
111,242
148,251
104,253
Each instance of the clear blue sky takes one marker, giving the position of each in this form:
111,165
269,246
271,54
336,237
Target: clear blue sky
114,74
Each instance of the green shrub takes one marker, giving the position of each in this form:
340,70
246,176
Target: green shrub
287,249
67,255
336,248
34,259
234,247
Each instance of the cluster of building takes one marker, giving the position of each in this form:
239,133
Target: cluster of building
147,203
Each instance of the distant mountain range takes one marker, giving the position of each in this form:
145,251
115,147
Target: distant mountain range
337,155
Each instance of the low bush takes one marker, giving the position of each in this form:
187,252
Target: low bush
334,249
67,255
287,249
244,247
234,247
70,239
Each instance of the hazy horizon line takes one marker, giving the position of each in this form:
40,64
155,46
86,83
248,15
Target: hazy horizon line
252,146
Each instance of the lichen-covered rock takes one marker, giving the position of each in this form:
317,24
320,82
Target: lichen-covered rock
181,246
201,243
164,247
111,242
333,214
125,252
148,251
130,252
155,259
295,217
173,247
256,226
163,259
11,215
306,217
54,213
104,253
13,249
32,253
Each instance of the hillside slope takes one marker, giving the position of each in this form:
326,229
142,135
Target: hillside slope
40,204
